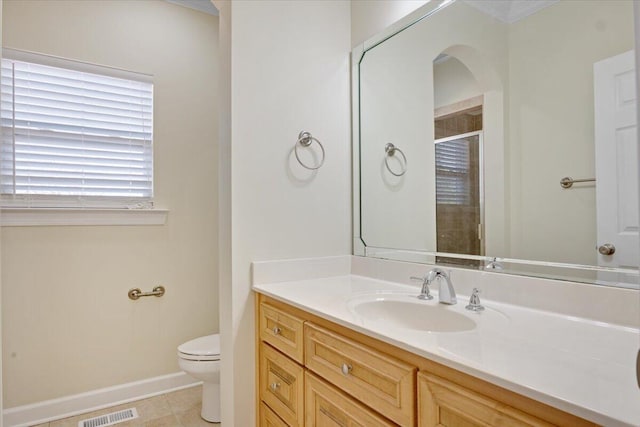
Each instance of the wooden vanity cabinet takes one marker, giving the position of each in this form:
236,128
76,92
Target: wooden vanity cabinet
282,385
384,383
446,404
282,330
315,373
328,406
268,418
290,395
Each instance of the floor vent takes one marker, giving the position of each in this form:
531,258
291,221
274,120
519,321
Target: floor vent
110,419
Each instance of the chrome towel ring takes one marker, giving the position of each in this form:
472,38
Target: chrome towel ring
305,139
391,150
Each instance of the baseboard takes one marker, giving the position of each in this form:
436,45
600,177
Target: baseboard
55,409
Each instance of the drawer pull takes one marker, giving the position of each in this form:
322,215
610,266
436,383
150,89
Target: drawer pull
274,386
346,369
276,330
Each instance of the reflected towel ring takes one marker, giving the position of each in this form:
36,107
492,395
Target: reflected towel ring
305,139
391,150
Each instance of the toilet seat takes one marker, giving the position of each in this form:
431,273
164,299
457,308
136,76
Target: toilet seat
205,348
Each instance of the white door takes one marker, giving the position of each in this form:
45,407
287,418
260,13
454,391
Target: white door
616,147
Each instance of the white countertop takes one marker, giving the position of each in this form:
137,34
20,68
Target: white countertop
583,367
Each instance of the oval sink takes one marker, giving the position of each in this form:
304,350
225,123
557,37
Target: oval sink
408,312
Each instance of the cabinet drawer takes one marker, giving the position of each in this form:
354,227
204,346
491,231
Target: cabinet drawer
446,404
381,382
268,418
282,385
282,330
327,406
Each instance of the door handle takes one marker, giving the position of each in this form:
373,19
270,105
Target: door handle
607,249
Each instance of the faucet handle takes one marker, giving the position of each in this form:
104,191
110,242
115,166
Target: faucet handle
474,301
425,293
494,265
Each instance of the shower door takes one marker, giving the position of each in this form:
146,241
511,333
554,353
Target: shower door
459,213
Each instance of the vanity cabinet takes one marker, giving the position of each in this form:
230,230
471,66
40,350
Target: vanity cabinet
446,404
290,348
282,330
282,385
315,373
268,418
370,376
327,406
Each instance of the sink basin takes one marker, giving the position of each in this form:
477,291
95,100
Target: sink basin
408,312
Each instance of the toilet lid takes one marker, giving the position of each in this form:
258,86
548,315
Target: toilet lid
203,348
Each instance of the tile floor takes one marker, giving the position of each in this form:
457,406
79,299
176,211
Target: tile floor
178,409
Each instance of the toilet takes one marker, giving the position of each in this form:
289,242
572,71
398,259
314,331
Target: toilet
200,358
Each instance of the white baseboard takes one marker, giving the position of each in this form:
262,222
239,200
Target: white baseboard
55,409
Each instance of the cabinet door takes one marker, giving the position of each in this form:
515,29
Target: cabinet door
326,406
282,330
282,385
268,418
445,404
372,377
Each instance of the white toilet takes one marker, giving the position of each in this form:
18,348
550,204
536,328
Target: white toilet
200,358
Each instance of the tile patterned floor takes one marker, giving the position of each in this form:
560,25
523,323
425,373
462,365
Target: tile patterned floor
178,409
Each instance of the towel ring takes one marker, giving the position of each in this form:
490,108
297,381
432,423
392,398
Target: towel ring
391,150
305,139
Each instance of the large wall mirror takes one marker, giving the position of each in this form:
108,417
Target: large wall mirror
501,135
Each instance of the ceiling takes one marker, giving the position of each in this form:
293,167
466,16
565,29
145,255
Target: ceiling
510,11
205,6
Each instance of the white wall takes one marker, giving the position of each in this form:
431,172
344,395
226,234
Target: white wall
289,72
396,102
1,388
544,134
453,83
636,20
68,326
397,105
552,134
368,18
225,293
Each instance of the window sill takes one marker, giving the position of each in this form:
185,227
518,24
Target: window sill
24,217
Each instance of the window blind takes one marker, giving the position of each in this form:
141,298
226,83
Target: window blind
453,183
69,133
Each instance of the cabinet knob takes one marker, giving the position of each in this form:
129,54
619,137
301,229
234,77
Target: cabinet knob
346,369
276,330
274,386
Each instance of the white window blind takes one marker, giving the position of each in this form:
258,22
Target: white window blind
453,180
72,137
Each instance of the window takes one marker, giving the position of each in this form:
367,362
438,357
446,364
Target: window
74,134
457,171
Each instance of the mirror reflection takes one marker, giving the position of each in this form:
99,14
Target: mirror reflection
490,105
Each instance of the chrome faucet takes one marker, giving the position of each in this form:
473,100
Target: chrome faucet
474,301
494,265
424,292
446,294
